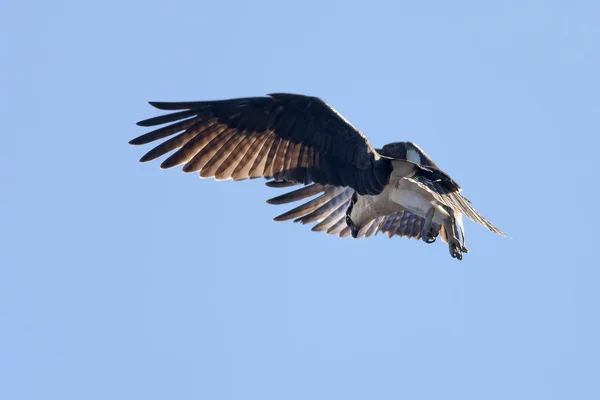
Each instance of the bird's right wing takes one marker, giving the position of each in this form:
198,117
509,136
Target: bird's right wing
434,181
328,210
454,200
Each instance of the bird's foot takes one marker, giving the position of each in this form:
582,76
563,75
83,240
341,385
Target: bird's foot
429,239
456,249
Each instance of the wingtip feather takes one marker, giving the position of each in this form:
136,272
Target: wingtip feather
165,105
145,122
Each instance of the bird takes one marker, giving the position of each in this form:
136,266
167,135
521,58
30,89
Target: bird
298,140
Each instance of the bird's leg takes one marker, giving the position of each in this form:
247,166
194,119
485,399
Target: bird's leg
426,228
460,229
454,244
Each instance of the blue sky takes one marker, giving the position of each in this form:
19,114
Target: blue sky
119,280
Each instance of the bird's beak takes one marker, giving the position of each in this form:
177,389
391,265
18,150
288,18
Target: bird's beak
354,230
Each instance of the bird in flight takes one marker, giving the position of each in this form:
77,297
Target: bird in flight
293,139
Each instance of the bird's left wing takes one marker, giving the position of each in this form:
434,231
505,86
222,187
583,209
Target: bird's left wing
288,137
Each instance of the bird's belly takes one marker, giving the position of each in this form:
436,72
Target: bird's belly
411,201
417,203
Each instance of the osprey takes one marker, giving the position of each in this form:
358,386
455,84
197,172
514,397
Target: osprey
300,140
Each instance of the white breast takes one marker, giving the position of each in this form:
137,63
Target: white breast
410,200
409,196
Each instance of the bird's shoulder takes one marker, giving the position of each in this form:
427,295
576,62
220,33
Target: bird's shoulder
427,171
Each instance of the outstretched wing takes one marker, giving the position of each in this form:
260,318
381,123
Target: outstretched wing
328,210
283,136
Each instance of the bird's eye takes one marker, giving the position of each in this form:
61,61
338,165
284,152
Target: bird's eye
348,220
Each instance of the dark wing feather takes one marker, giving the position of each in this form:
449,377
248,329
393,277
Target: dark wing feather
328,210
317,208
288,137
407,224
409,151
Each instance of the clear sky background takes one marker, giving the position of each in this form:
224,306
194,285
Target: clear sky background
122,281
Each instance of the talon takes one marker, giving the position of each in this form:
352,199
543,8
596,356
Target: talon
455,253
455,245
456,249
